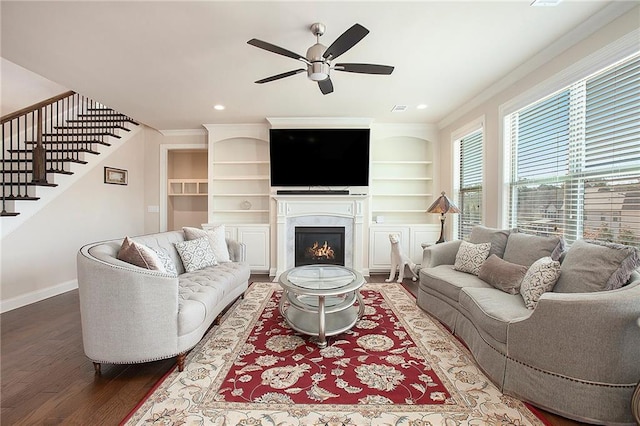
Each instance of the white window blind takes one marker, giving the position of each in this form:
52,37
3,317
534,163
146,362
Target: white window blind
470,192
575,159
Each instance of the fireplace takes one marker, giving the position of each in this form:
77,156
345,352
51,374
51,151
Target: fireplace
319,244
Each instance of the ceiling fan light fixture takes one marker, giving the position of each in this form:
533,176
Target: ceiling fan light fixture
318,71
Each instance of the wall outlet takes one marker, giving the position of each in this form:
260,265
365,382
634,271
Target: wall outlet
153,209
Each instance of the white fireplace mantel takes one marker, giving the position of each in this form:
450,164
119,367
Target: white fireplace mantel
322,210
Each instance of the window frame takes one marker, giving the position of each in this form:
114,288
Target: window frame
577,145
620,49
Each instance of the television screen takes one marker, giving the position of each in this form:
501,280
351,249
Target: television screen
319,157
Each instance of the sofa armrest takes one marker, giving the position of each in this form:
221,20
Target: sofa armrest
237,250
592,336
440,254
128,314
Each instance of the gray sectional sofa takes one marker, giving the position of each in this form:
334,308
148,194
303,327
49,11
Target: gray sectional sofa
576,352
132,314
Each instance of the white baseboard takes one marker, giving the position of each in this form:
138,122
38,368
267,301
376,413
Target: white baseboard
36,296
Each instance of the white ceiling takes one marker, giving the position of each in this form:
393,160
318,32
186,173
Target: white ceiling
168,63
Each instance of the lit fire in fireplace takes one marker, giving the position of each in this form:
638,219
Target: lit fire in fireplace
323,251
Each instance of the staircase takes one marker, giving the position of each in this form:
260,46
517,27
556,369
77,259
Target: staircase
46,139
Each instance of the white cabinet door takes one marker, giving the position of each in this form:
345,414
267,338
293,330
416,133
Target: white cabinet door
380,246
256,240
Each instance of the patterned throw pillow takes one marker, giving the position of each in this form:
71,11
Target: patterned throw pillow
216,237
139,255
540,278
196,254
166,260
471,256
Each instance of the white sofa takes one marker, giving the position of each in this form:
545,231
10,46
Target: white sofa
131,314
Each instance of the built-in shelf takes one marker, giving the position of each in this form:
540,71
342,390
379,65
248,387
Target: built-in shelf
187,187
401,179
240,188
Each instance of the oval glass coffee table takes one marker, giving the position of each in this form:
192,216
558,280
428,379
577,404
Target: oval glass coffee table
319,300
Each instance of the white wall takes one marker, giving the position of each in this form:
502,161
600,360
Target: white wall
21,87
490,109
39,258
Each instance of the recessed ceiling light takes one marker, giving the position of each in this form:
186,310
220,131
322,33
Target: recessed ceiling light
422,106
399,108
218,107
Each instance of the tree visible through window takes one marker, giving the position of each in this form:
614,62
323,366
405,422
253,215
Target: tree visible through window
575,159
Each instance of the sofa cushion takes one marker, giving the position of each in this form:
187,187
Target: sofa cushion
196,254
471,256
216,236
595,266
446,280
140,255
503,275
524,249
497,238
202,290
492,310
540,278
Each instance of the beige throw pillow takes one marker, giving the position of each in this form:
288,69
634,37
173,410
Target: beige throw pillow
471,256
503,275
216,238
140,255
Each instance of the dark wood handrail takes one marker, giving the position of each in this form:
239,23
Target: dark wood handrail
35,107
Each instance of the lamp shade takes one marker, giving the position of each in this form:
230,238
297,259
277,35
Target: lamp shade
443,205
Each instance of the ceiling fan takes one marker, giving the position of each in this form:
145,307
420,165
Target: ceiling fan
319,57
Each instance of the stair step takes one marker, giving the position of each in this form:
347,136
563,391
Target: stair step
104,120
28,160
107,126
76,134
103,109
20,198
55,151
29,171
70,142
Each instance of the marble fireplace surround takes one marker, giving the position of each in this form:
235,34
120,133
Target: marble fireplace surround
319,210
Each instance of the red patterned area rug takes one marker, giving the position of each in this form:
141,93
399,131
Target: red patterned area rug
397,366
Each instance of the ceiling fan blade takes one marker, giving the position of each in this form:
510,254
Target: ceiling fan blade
326,86
279,76
365,68
346,41
275,49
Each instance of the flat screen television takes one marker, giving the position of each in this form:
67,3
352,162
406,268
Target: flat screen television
319,157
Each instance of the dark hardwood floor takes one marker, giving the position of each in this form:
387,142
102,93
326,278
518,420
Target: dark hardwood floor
47,380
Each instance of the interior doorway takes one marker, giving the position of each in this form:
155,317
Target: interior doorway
184,186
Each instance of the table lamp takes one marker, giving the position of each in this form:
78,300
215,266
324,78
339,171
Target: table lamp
442,205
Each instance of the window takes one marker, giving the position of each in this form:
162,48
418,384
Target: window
575,159
470,181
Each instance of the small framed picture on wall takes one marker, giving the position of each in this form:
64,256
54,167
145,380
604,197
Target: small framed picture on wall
115,176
